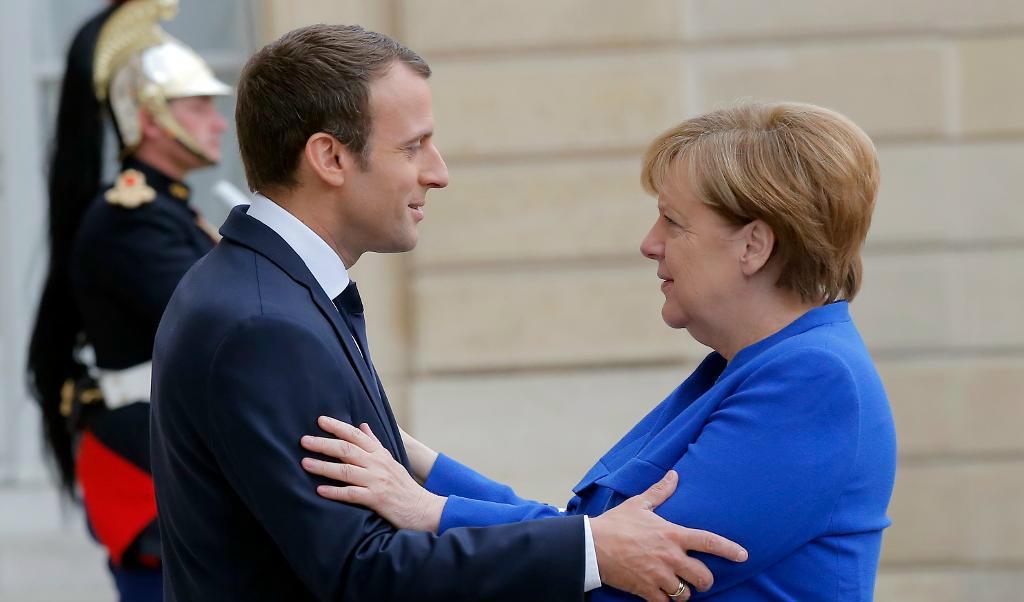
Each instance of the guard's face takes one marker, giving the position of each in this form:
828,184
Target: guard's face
384,199
199,117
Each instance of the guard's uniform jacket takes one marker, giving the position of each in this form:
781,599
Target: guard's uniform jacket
136,241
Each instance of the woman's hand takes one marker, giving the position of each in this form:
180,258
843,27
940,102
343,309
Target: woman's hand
421,457
372,477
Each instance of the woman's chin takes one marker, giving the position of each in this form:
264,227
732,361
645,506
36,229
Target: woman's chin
673,317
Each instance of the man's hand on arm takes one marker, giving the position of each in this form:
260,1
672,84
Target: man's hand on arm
642,553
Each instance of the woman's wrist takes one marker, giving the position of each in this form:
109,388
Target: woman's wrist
433,508
421,457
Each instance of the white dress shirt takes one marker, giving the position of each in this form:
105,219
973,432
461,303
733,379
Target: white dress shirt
330,273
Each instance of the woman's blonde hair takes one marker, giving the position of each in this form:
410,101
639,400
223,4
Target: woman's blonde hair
808,172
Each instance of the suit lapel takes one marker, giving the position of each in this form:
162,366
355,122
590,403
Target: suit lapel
250,233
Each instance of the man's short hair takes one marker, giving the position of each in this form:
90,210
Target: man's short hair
313,79
808,172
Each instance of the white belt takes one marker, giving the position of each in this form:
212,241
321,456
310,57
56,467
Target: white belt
122,387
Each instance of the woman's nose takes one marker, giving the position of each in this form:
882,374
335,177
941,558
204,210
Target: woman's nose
651,247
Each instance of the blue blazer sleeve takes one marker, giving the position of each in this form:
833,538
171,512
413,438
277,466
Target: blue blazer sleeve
768,467
262,400
476,501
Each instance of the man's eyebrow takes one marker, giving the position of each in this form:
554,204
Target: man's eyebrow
419,136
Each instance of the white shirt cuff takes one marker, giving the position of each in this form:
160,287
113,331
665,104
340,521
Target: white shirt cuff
592,577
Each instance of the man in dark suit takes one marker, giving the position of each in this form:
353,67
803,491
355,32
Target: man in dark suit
266,333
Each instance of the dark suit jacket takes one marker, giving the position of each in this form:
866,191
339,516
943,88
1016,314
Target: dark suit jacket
249,352
126,264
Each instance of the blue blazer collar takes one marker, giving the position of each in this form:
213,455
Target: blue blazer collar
243,230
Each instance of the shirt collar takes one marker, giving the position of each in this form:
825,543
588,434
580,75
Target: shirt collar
319,257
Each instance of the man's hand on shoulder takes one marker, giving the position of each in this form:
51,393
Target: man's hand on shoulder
644,554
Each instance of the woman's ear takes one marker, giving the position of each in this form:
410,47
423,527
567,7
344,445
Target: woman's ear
759,242
325,157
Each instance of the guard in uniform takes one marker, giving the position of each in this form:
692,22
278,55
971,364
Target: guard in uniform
117,253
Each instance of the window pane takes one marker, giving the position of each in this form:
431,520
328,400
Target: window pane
220,25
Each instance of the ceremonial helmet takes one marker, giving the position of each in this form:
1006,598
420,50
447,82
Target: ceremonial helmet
137,65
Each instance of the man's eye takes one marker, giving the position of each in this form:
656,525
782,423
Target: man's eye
668,220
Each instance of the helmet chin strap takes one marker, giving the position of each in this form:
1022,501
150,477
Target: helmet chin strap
207,161
154,102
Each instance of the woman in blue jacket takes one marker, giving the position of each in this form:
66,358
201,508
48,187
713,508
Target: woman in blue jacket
782,438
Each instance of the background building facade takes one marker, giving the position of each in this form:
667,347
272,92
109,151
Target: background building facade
523,335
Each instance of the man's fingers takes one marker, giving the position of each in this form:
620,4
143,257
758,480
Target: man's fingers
703,541
346,473
695,572
669,585
655,595
659,492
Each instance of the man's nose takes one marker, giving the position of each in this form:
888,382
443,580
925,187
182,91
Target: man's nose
436,174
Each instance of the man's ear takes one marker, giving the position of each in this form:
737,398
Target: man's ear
151,130
326,157
759,242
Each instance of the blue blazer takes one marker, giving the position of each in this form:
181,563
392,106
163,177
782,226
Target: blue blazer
789,450
249,352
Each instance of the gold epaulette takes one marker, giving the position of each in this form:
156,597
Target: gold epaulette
131,190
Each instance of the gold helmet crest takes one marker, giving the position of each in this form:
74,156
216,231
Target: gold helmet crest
137,65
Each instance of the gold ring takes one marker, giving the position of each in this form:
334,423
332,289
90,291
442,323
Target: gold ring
683,588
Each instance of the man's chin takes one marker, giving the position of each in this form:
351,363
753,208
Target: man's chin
404,245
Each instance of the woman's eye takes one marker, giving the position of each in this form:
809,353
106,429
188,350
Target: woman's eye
668,220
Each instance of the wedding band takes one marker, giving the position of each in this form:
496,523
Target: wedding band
683,588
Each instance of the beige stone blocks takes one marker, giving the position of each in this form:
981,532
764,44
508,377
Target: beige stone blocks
533,211
745,19
949,300
284,16
738,19
573,209
946,191
982,14
957,512
948,584
538,432
435,26
570,104
890,89
992,85
967,406
492,319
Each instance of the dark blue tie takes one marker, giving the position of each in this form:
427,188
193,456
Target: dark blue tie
351,307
